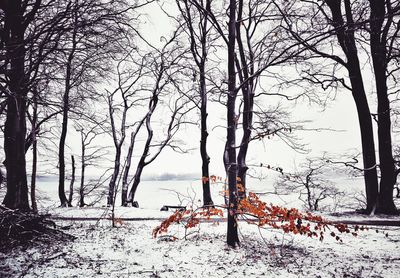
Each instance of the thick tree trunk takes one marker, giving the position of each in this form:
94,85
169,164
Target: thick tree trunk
347,43
232,231
386,161
367,144
15,124
71,185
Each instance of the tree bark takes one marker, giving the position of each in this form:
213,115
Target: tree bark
142,162
232,231
247,69
34,154
386,162
61,154
347,43
125,184
71,185
198,32
83,168
207,200
124,194
111,186
15,124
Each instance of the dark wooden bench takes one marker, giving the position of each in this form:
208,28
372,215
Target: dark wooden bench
167,208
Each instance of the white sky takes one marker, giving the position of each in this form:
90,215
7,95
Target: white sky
339,115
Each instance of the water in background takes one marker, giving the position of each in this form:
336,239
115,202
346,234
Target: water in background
153,194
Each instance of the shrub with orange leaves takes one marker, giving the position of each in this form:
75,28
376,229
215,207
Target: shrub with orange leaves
188,218
254,211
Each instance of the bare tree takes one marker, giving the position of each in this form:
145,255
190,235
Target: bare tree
311,182
232,233
166,68
199,36
322,44
17,16
382,22
126,81
90,154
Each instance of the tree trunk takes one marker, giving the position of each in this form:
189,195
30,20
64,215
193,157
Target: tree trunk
68,77
34,154
71,185
246,68
61,152
142,162
82,185
232,232
124,198
136,182
367,144
111,186
124,193
347,43
15,124
386,162
207,200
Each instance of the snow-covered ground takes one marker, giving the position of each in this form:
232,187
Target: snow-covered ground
130,251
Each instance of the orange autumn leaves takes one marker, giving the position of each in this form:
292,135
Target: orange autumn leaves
189,218
254,211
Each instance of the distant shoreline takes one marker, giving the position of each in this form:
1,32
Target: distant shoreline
161,177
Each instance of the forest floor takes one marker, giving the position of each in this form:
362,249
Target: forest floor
129,250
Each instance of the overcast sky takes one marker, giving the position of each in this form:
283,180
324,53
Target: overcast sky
339,115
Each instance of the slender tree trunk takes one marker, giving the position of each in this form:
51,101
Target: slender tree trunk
386,161
124,195
244,145
71,185
232,232
64,130
82,185
61,152
246,70
15,124
136,182
111,187
207,200
34,154
142,162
